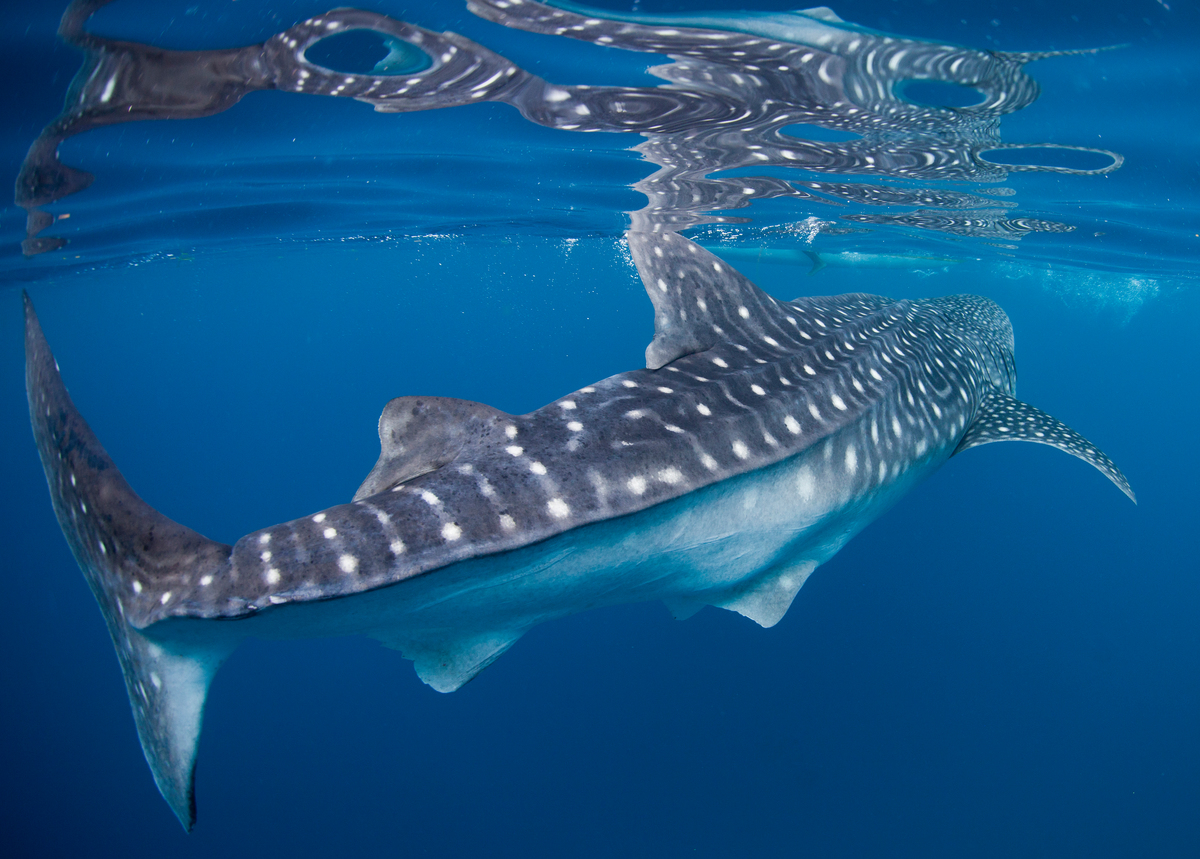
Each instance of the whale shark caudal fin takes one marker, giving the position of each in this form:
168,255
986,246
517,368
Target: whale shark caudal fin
1004,418
120,543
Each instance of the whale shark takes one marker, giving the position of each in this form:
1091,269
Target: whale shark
759,437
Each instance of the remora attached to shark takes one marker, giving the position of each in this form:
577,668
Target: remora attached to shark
818,260
761,436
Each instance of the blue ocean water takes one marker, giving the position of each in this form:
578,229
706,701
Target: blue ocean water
1007,663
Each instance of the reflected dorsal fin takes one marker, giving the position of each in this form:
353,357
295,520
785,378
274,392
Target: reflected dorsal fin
418,435
699,300
1004,418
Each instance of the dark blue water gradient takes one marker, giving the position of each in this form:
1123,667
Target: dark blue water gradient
1006,664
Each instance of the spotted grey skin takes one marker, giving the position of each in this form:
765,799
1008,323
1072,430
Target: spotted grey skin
735,93
761,435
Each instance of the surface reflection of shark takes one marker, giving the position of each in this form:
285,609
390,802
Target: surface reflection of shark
741,92
759,438
818,260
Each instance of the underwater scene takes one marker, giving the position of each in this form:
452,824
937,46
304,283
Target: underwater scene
509,428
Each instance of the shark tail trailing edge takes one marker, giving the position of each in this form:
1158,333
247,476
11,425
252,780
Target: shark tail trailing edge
1005,418
120,543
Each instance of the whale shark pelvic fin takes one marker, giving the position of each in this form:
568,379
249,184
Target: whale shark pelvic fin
765,600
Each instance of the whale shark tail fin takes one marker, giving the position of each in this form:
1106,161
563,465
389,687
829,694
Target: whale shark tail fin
142,569
1004,418
817,262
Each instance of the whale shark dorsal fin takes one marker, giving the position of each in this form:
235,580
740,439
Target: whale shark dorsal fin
699,300
822,13
418,435
1004,418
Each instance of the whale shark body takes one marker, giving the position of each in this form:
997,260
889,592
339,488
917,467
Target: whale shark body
760,437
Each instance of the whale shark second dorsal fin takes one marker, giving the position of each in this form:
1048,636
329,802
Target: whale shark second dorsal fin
699,299
418,435
1004,418
822,13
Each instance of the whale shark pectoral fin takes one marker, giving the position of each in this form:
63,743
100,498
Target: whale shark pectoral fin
767,599
1004,418
447,664
699,300
418,435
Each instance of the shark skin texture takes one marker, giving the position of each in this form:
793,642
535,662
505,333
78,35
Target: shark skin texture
759,438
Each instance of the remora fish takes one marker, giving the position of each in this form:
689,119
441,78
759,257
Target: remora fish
761,436
821,259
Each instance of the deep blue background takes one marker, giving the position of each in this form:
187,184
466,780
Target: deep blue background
1007,664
